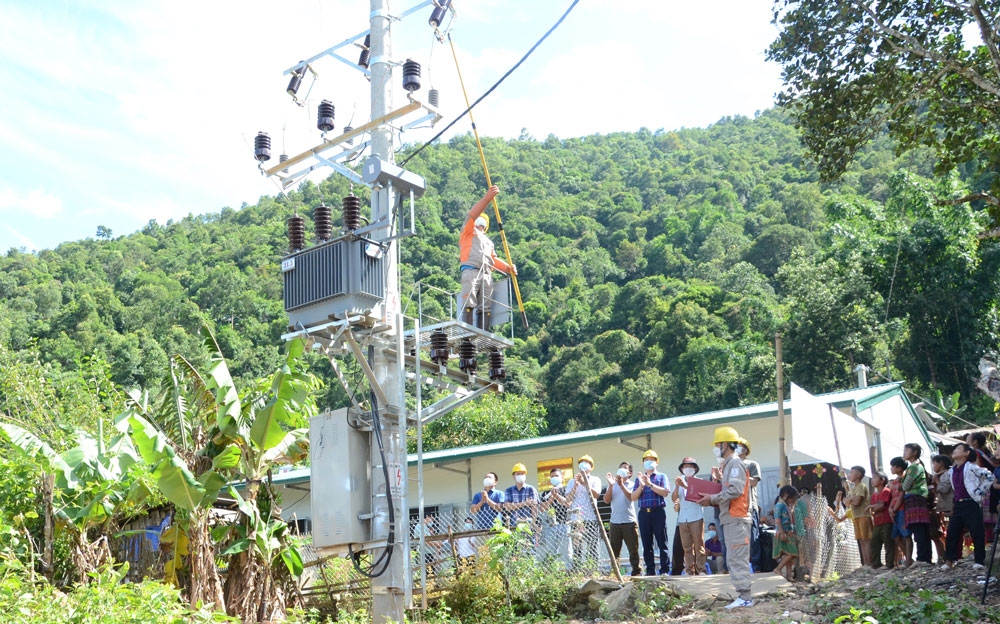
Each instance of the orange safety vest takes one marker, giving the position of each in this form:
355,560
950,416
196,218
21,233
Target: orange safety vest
740,507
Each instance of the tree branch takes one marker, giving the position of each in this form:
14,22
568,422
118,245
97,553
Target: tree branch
980,196
987,34
913,46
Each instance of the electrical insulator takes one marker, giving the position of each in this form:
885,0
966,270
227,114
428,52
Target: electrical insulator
411,75
296,81
262,147
496,365
366,52
283,158
467,356
432,97
323,222
439,348
296,233
440,9
324,116
348,130
351,212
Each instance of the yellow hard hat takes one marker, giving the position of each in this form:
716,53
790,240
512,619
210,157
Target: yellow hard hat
726,434
587,458
518,467
651,454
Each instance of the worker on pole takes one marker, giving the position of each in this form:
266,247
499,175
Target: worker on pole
478,259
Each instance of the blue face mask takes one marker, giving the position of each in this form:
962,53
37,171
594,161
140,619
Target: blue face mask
709,535
649,464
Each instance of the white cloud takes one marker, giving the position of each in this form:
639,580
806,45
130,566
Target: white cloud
38,203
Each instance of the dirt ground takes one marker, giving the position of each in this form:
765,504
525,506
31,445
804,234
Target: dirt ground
779,602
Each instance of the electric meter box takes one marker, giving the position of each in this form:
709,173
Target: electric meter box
340,483
333,280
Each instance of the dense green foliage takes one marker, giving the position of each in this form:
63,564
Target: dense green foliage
925,71
655,267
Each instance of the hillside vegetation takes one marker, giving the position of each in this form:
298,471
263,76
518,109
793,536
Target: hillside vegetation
655,267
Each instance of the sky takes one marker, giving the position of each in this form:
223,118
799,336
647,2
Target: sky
114,112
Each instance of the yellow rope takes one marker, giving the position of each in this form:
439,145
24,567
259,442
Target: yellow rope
486,171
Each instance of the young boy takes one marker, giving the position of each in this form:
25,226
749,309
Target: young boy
857,499
904,541
882,520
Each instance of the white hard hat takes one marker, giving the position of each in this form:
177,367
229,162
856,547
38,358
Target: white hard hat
482,222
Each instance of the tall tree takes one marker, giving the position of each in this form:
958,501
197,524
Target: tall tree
926,71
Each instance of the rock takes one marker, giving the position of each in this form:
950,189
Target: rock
595,602
797,616
596,585
619,604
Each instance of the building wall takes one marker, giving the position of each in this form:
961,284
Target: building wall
443,487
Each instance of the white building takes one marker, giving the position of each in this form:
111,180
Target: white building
866,426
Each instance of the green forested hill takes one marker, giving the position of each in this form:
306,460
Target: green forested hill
655,267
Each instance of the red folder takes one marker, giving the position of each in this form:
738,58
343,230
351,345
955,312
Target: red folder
699,487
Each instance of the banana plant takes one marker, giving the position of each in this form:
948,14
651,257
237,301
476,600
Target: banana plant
198,435
92,484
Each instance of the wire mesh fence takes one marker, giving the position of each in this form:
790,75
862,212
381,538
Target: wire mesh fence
826,539
444,546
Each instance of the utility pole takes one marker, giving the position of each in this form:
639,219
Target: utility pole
343,295
388,589
782,455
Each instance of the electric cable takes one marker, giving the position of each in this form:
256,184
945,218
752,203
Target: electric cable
386,557
495,85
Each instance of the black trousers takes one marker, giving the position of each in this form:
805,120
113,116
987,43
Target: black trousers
653,527
966,515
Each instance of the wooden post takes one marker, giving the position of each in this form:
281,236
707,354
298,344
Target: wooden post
783,479
604,537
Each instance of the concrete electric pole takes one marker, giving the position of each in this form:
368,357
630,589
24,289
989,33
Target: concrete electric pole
343,295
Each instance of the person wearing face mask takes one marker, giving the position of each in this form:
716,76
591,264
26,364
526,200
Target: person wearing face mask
465,547
713,550
521,499
734,513
624,527
690,519
586,487
651,490
555,532
753,469
488,503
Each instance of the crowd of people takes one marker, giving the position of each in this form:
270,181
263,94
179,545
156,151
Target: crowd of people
917,507
566,523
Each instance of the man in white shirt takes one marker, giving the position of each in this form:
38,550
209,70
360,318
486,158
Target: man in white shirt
585,488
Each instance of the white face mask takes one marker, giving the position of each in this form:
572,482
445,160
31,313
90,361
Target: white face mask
468,525
585,467
519,479
717,451
623,473
689,472
488,481
740,449
555,481
649,464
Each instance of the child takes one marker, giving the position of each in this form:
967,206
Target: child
785,550
858,500
944,502
904,542
882,520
